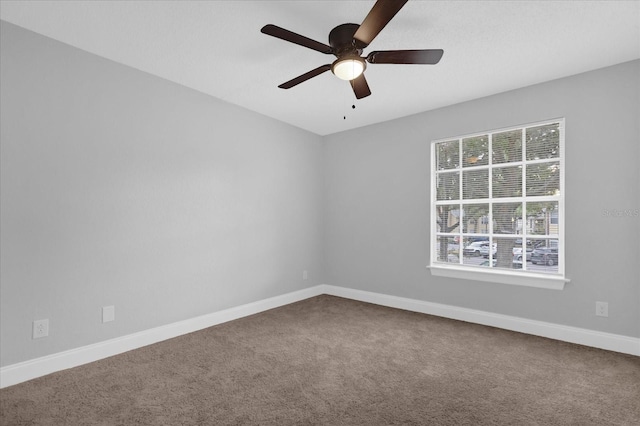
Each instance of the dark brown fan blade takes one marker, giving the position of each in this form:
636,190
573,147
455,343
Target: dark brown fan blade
304,77
360,87
292,37
427,56
378,17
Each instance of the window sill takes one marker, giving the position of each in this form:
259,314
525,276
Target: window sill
553,282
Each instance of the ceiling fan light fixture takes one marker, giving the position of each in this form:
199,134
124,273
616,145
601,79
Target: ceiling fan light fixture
348,68
347,41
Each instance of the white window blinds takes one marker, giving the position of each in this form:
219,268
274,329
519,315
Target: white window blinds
497,200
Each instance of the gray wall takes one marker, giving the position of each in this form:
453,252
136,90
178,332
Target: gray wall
120,188
377,202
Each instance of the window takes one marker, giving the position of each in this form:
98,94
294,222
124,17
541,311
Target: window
497,201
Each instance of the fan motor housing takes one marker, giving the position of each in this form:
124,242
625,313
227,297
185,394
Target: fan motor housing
342,42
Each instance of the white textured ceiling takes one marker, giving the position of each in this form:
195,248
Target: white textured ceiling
216,47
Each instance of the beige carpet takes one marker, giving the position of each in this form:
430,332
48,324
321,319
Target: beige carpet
332,361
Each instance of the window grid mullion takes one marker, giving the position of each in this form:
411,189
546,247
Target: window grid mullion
460,198
525,265
490,182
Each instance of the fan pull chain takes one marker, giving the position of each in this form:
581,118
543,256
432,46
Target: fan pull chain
353,105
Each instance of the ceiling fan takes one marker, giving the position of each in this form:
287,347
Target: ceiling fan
347,42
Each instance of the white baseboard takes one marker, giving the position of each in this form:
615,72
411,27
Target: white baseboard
27,370
581,336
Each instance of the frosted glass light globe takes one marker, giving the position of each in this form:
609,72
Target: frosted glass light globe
348,68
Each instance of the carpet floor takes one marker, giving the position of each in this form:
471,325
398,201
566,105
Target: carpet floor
333,361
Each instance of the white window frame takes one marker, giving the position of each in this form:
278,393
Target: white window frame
554,281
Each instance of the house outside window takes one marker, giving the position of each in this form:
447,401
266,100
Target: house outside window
497,205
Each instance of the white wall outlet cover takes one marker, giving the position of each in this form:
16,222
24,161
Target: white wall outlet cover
602,309
108,313
40,328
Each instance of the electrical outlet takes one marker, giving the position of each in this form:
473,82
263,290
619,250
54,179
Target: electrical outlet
108,313
602,309
40,328
305,275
